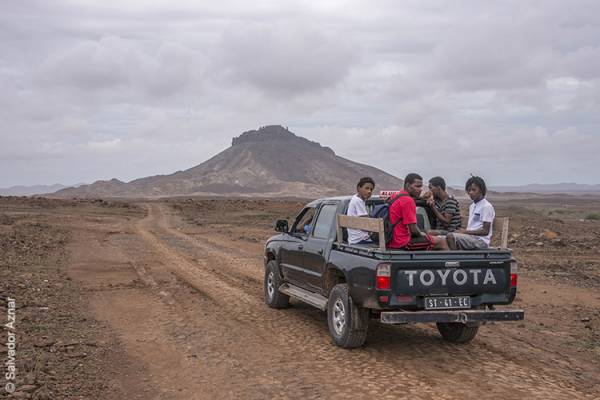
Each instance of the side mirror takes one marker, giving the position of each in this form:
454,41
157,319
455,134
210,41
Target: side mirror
281,225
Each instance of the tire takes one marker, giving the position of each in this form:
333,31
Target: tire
273,297
457,332
348,323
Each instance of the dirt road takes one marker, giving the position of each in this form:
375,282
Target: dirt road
185,303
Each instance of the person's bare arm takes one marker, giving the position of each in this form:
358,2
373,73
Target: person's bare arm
414,230
483,231
446,218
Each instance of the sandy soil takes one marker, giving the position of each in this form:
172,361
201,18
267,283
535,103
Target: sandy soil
163,300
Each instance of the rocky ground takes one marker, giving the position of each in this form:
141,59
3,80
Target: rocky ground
62,351
163,300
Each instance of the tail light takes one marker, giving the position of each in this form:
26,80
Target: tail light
513,273
383,277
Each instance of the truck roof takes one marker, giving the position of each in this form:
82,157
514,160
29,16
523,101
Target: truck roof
316,202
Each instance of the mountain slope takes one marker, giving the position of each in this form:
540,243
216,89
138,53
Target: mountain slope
567,188
30,190
268,161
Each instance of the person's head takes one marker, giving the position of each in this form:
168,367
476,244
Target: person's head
365,187
437,186
476,188
413,184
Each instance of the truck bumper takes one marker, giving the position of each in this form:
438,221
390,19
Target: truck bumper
464,316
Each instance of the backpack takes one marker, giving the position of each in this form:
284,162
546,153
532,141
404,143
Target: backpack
383,211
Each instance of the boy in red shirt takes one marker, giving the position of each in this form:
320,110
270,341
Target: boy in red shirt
403,213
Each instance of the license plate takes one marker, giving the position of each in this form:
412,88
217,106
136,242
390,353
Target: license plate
444,303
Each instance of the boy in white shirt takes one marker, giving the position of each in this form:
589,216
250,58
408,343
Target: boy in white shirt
481,218
358,208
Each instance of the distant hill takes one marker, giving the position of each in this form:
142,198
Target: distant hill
270,161
30,190
567,188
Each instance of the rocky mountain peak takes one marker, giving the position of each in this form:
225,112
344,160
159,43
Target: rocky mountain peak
264,134
275,133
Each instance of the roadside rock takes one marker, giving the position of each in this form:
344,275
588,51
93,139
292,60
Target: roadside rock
27,388
548,234
42,394
44,343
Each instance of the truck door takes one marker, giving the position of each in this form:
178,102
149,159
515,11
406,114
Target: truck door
292,253
318,245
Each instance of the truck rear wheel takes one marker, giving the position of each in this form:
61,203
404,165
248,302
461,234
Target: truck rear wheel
273,297
457,332
348,323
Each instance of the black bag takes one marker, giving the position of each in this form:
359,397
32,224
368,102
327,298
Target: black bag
383,211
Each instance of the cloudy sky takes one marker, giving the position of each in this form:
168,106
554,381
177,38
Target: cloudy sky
509,90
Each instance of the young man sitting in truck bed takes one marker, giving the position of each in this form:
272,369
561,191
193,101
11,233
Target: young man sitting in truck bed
358,208
481,218
444,206
403,213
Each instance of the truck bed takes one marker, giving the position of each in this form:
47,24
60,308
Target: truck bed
393,254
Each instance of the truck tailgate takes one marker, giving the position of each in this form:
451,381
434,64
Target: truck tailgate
460,277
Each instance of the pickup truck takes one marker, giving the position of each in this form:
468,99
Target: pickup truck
458,290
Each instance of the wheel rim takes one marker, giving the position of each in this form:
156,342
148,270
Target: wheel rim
270,285
339,316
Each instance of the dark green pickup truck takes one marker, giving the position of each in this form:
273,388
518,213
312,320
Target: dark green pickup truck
458,290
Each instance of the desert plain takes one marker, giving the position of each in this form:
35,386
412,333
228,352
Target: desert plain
163,299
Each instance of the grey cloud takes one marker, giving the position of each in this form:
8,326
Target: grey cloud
583,62
92,91
517,45
494,58
457,149
115,62
284,57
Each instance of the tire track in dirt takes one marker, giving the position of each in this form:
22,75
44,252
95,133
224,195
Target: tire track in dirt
380,362
299,338
149,281
189,350
238,265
